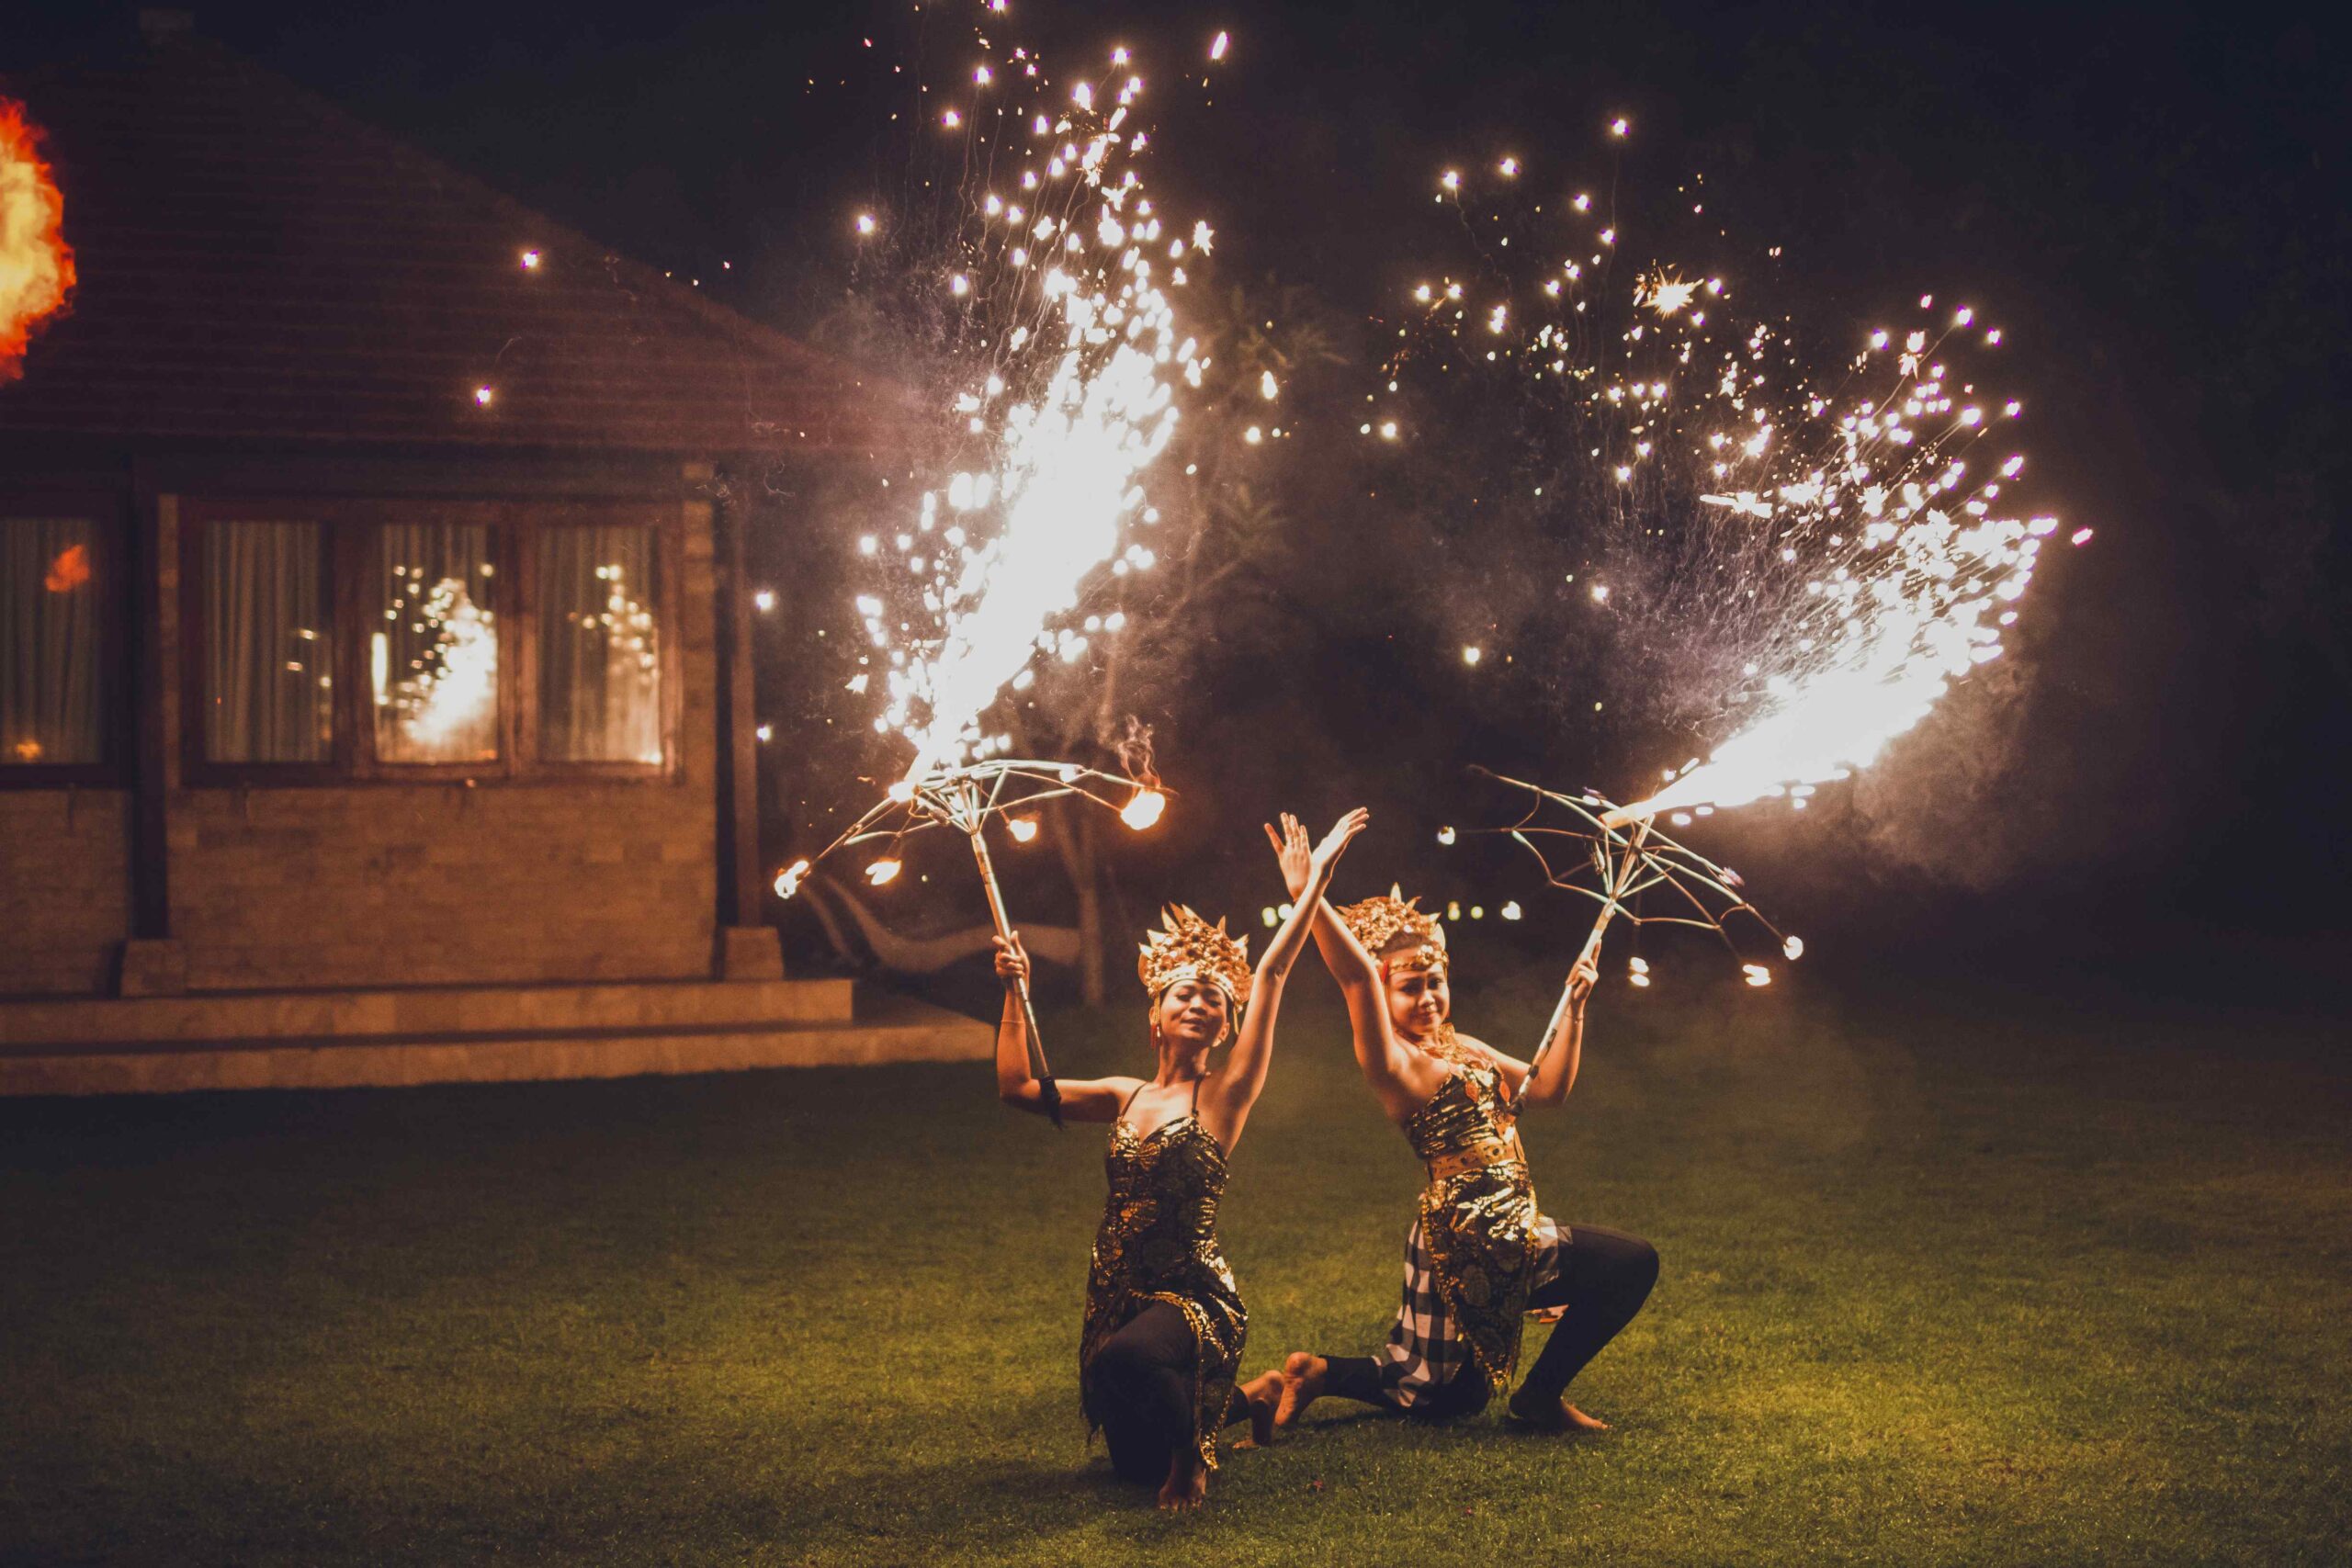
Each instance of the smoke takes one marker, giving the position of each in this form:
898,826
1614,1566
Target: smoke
35,265
1945,801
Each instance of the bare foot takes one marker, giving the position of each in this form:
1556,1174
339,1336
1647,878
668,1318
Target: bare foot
1262,1394
1553,1415
1187,1486
1302,1377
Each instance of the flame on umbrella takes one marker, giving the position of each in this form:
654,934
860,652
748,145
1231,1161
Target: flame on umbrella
36,264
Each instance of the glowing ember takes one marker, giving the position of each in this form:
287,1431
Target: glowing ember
883,872
1022,828
1144,810
1666,294
36,264
788,881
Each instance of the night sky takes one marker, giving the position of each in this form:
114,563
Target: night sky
2150,197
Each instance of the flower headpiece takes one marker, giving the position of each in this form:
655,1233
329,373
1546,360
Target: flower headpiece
1393,930
1192,949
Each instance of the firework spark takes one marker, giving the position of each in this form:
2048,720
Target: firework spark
1817,547
1062,278
36,264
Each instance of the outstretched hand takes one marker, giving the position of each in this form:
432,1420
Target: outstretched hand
1302,866
1335,842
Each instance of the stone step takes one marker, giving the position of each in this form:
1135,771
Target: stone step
424,1010
889,1029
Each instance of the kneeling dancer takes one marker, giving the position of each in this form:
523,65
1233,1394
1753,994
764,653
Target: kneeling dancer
1164,1320
1480,1254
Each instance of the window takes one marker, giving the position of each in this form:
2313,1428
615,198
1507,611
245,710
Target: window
433,644
58,668
325,641
600,645
268,657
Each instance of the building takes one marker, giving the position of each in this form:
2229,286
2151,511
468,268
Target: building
375,694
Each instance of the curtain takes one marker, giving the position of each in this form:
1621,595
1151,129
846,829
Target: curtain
433,644
54,661
600,653
268,660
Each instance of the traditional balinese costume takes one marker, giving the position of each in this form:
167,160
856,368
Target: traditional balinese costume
1481,1254
1164,1319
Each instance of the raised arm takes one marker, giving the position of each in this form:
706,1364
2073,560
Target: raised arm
1398,1077
1559,1055
1236,1089
1083,1100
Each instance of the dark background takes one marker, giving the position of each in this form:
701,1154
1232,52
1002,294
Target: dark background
2149,199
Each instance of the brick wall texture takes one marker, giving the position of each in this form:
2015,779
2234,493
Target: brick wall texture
393,883
64,887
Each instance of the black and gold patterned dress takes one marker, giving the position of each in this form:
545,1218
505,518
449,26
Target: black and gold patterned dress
1485,1237
1158,1244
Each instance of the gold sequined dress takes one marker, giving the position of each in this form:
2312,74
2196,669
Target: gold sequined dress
1480,1222
1158,1243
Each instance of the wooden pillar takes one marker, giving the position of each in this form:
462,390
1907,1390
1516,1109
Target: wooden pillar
748,947
153,963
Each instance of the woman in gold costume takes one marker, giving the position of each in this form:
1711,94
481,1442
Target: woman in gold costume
1481,1254
1164,1320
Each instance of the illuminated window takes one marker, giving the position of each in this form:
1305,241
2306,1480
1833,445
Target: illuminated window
268,651
600,645
433,644
55,661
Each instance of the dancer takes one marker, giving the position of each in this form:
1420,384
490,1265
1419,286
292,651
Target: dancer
1164,1320
1480,1254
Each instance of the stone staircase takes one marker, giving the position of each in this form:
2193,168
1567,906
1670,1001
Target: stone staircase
463,1034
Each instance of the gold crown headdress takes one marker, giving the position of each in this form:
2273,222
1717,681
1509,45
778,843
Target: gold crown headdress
1192,949
1392,929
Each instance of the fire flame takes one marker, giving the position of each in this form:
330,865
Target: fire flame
36,264
1144,810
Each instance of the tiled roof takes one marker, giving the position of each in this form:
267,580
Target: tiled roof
256,264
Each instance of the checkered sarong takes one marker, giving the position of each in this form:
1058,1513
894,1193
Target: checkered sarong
1423,1352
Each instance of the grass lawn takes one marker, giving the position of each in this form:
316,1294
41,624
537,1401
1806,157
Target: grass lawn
1946,1280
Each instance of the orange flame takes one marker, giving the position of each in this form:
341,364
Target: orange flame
69,570
36,264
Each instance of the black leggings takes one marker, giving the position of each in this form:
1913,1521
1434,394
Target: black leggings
1604,1277
1139,1387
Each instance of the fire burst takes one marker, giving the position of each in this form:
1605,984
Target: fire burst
1817,546
36,264
1060,278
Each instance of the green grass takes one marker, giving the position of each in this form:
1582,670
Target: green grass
1942,1284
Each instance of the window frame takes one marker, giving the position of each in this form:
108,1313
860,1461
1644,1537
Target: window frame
110,512
667,521
351,525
